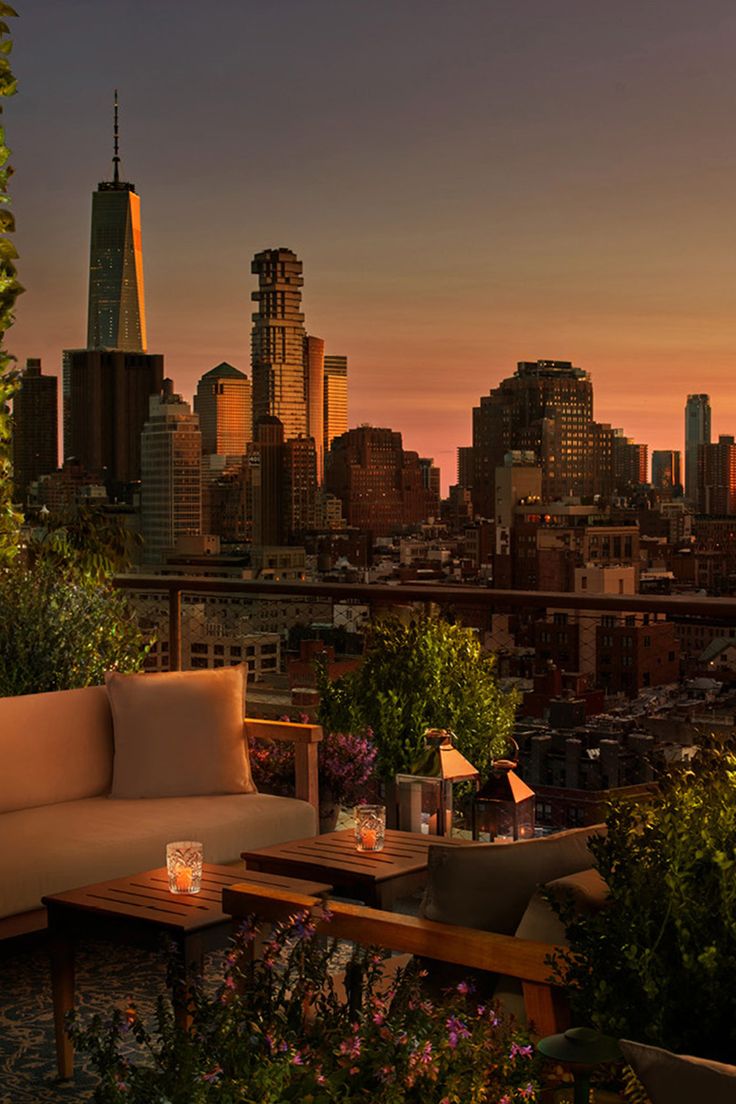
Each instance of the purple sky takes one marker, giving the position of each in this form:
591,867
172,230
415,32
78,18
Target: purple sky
468,184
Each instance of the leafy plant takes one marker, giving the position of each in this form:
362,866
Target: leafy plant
658,964
346,764
278,1029
93,542
62,628
428,674
9,291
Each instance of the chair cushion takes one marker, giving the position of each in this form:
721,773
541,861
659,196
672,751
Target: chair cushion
179,734
679,1078
76,843
488,886
54,747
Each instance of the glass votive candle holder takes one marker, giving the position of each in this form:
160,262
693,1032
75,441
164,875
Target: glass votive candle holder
184,866
370,827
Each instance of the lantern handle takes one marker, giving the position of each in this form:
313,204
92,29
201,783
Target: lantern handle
513,760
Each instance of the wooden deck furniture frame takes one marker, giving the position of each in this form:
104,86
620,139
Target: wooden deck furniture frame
376,878
523,959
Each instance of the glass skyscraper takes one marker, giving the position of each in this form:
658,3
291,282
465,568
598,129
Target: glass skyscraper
117,316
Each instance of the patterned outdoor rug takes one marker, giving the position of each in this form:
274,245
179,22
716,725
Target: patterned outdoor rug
107,977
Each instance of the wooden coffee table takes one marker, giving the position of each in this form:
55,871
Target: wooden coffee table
375,877
137,911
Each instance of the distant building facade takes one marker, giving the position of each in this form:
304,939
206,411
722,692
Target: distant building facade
336,398
224,404
715,491
106,403
546,406
382,488
171,493
697,432
666,471
314,362
35,428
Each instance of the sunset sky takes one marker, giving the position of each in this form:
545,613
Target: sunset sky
469,183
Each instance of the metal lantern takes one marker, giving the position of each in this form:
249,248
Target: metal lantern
424,797
503,808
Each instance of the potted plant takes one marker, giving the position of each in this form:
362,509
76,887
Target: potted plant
346,771
279,1029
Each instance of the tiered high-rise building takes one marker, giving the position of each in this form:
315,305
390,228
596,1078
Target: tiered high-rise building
35,427
171,491
546,406
224,404
697,432
278,341
106,386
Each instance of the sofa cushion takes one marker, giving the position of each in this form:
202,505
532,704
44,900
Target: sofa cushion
678,1078
54,747
58,847
488,886
179,734
586,891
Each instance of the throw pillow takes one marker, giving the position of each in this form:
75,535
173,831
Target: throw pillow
488,886
679,1078
179,734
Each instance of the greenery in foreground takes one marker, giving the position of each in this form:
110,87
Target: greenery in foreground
9,290
280,1030
658,964
428,674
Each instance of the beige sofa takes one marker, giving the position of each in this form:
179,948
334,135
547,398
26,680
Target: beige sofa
60,829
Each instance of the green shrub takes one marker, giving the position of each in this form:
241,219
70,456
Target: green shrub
428,674
62,628
659,963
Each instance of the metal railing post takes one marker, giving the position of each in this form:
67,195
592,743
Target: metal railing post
174,628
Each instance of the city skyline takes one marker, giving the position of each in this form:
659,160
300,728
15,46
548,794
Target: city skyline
453,219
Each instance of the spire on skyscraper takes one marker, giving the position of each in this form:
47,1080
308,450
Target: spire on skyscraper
116,156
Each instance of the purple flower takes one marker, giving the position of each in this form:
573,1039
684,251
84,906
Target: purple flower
456,1030
520,1051
213,1074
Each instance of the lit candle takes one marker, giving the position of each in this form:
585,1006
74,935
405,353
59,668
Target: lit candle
368,838
183,879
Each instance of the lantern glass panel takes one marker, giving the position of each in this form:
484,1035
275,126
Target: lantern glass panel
503,820
420,803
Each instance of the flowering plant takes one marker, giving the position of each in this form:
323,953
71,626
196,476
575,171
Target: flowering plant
279,1029
346,767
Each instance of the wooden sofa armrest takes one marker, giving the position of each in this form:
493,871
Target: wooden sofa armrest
477,950
305,738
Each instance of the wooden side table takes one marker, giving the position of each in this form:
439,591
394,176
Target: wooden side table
375,877
137,911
